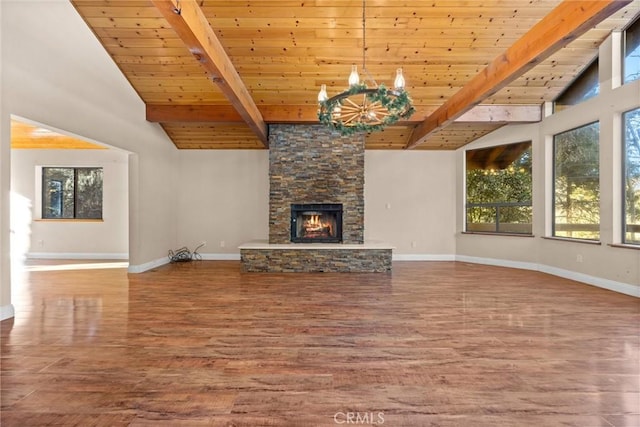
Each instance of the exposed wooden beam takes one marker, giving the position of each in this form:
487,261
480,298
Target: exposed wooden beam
565,23
309,114
502,114
192,113
191,25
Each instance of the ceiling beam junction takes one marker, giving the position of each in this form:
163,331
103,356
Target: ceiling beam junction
568,21
190,23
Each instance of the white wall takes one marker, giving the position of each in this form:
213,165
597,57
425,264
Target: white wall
6,308
106,239
511,248
223,197
55,72
602,265
410,202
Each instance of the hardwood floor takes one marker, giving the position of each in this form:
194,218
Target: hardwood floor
432,344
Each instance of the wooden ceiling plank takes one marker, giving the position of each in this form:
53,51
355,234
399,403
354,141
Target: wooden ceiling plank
285,51
28,136
353,10
566,22
192,27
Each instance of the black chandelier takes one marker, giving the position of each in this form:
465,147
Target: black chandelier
361,108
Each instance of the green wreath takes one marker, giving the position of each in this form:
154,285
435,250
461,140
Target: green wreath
398,103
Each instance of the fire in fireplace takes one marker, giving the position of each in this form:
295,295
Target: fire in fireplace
316,223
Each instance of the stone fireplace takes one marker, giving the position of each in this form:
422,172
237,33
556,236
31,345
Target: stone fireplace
312,164
316,205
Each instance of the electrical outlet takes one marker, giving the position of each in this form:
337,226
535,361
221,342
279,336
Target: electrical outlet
222,243
579,258
414,244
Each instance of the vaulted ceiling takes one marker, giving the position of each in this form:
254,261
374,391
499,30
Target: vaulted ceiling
215,74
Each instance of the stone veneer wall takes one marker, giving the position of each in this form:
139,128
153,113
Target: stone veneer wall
314,164
316,260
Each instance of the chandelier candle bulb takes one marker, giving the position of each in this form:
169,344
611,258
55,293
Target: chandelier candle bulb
354,78
399,81
322,95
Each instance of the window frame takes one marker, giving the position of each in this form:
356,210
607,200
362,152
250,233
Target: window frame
497,231
636,27
553,186
623,176
75,169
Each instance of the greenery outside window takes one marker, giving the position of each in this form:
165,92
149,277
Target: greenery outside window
631,185
585,86
576,183
71,193
632,52
499,184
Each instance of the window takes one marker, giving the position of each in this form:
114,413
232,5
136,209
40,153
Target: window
632,52
585,86
631,167
71,193
576,183
499,189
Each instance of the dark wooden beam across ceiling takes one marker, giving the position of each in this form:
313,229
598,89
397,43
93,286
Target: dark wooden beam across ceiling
562,25
192,26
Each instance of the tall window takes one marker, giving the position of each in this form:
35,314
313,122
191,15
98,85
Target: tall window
631,120
499,189
585,86
71,193
632,52
576,184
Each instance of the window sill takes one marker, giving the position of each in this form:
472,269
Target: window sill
566,239
483,233
625,246
67,220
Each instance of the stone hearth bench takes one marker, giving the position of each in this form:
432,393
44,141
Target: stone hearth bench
263,257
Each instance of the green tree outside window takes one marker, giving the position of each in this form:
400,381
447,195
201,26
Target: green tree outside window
69,193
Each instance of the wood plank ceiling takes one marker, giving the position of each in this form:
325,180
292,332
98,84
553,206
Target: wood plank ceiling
282,51
28,136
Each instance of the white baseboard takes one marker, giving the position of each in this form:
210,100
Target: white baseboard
76,255
141,268
423,257
612,285
498,262
162,261
7,312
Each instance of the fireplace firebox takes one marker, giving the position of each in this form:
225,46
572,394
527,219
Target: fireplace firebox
316,223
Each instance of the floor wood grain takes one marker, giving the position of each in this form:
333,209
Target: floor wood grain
431,344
